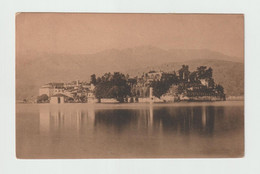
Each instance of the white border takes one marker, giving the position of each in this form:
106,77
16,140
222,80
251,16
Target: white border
248,164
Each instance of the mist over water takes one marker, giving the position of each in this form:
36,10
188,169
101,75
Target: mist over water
130,130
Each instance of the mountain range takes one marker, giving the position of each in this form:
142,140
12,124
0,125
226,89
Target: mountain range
35,70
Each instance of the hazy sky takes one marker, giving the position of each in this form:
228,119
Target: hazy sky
75,33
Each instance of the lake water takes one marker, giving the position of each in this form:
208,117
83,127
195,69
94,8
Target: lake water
130,130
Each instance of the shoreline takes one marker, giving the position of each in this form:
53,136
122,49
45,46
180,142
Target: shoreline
229,98
111,105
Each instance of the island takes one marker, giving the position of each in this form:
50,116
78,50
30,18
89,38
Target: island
150,87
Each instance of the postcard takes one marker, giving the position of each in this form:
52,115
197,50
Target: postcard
129,85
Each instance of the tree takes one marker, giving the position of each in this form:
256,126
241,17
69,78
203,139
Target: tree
42,98
82,98
161,87
193,77
201,72
98,80
220,89
184,73
204,73
93,79
112,86
211,83
209,73
170,78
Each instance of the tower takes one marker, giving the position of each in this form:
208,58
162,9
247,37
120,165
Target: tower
151,93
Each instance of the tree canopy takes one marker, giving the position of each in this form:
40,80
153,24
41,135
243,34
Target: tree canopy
112,86
93,79
162,86
42,98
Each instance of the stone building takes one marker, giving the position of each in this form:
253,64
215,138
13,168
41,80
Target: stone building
58,99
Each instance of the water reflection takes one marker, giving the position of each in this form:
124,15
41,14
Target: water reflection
150,119
185,120
99,131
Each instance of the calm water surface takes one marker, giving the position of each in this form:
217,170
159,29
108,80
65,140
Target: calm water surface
130,130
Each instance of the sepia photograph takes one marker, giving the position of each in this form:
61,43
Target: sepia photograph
129,85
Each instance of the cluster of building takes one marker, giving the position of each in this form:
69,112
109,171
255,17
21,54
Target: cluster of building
141,90
186,88
75,91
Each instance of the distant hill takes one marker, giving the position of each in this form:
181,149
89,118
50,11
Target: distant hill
42,68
